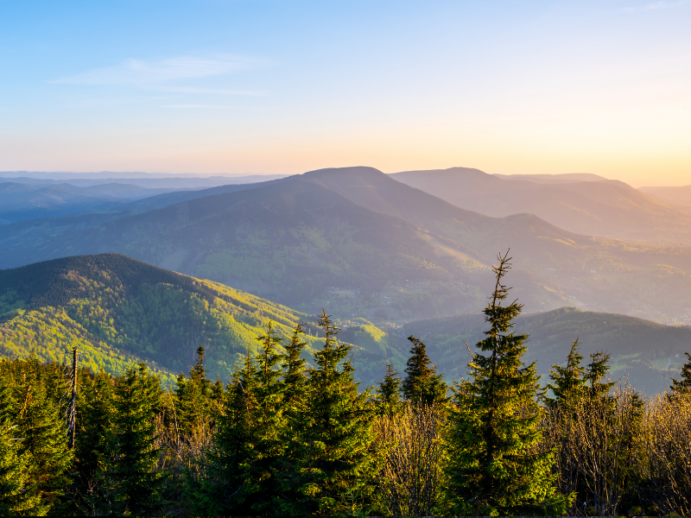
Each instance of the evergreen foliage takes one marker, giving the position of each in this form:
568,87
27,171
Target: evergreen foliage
131,474
389,392
597,371
295,378
683,386
43,431
18,496
493,467
336,465
95,444
422,383
568,383
194,397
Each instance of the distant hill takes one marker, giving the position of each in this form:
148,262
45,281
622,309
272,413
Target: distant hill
117,310
581,203
552,178
146,180
648,353
679,197
362,244
25,201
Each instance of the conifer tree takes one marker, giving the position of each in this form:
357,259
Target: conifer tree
18,496
422,383
44,437
250,442
494,426
597,371
222,491
295,378
683,386
193,396
131,471
95,445
336,464
568,383
389,392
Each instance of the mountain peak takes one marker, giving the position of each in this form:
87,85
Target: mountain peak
359,171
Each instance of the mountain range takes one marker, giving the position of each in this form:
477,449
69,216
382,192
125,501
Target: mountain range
366,245
580,203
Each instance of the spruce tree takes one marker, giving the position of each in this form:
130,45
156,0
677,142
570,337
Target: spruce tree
44,437
222,491
95,445
422,383
193,397
336,466
294,379
18,496
597,371
131,471
492,465
683,386
250,443
389,392
568,383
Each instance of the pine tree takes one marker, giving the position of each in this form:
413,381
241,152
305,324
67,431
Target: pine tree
250,444
44,437
389,392
422,383
336,465
95,444
568,383
223,490
683,386
295,379
494,426
596,371
193,397
131,471
18,496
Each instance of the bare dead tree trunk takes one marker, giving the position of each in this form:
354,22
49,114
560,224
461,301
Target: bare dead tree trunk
72,421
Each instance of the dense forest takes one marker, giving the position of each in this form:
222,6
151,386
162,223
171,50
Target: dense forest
119,311
284,437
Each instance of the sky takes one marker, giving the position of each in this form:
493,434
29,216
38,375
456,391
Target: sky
287,86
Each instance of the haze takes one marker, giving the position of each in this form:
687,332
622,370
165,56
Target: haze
284,87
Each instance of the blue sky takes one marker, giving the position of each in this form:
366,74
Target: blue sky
224,86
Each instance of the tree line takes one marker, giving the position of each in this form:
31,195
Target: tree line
285,438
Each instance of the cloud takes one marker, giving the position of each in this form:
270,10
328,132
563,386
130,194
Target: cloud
137,72
654,6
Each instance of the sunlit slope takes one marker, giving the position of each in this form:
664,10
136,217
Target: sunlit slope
647,352
117,310
603,208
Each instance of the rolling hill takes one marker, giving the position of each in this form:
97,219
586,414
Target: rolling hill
645,352
117,310
577,203
679,197
362,244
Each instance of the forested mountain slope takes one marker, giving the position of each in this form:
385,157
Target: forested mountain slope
361,244
117,310
605,208
646,352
